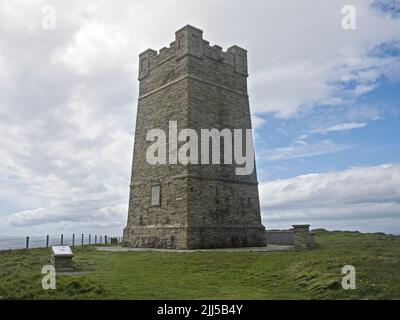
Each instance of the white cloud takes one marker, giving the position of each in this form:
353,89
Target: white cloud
340,127
257,121
67,219
66,120
107,216
357,197
96,46
302,149
309,60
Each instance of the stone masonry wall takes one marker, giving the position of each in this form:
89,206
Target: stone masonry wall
282,237
202,206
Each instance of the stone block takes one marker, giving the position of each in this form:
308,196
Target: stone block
61,258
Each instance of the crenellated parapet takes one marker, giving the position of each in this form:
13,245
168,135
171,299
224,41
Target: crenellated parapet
197,205
189,41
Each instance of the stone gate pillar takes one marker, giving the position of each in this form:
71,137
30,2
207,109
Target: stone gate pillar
301,236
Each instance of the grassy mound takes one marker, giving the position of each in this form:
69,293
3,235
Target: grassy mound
312,274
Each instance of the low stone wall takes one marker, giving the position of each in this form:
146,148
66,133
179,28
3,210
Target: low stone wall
299,236
283,237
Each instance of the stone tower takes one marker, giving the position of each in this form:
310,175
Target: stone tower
194,205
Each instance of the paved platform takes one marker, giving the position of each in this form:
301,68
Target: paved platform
269,248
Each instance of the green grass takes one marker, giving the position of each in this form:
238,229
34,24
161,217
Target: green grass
312,274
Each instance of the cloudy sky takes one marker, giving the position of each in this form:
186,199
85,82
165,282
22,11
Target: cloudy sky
325,103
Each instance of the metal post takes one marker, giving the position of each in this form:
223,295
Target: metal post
82,240
105,239
47,241
95,239
27,243
73,239
89,238
62,239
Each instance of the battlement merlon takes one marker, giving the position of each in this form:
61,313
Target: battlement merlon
189,41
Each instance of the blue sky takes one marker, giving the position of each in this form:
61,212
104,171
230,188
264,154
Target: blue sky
325,104
368,137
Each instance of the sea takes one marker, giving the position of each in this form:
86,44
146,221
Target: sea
18,242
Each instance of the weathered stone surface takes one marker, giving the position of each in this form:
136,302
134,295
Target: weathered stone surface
301,236
202,206
282,237
61,258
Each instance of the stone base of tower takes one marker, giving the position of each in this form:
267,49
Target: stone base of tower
185,238
226,237
155,237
